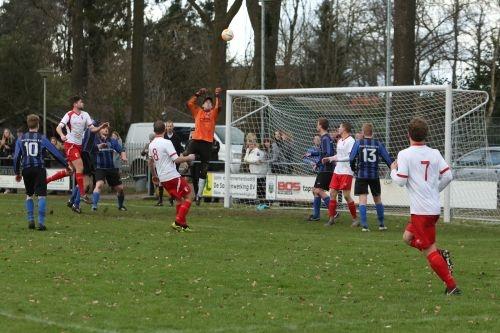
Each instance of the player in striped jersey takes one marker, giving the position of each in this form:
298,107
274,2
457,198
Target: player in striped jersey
324,170
425,173
365,157
105,169
29,150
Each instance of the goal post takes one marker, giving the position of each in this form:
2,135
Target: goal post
457,127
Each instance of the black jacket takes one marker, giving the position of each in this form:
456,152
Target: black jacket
176,141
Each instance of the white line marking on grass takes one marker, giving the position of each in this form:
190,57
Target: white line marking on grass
47,322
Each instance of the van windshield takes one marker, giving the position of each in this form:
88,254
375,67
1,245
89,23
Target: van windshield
237,136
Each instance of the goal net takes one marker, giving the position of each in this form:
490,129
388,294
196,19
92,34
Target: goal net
282,125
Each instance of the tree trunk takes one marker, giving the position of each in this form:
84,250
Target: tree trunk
254,10
78,71
137,75
456,31
272,25
128,24
404,41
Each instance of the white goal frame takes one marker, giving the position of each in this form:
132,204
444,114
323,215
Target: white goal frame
447,89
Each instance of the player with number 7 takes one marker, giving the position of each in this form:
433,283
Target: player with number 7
425,173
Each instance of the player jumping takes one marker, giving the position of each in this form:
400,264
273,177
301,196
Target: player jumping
162,160
76,122
30,150
205,118
342,174
425,173
364,158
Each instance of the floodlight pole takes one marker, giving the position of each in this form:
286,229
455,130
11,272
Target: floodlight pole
44,72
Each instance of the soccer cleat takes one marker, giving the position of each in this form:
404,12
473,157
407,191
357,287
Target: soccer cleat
159,204
86,199
186,229
311,218
69,203
176,226
365,229
42,227
382,228
447,257
122,208
76,209
331,220
355,223
94,209
453,292
197,200
31,225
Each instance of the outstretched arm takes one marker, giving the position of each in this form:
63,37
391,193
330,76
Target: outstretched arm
192,103
54,152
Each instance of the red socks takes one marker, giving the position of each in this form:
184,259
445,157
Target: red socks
180,218
352,209
58,175
177,206
332,207
438,264
80,183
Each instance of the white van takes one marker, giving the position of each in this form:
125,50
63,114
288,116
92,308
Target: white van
138,138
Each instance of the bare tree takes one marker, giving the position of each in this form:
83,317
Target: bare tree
272,19
221,20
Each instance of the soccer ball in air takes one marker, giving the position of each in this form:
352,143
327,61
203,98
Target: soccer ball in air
227,35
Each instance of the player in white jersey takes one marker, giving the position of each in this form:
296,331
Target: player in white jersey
342,174
162,160
425,173
76,122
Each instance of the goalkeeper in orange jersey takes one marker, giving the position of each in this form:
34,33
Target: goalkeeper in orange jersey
205,118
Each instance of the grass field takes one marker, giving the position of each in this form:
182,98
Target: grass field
240,271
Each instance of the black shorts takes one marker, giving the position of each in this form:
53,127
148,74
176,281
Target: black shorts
202,150
323,180
34,181
88,165
111,176
361,186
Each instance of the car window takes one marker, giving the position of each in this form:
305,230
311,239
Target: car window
473,158
238,137
495,157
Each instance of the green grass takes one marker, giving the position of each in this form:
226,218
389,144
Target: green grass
240,271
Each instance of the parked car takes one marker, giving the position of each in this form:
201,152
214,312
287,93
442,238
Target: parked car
138,138
478,164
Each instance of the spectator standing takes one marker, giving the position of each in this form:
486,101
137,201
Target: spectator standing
257,164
